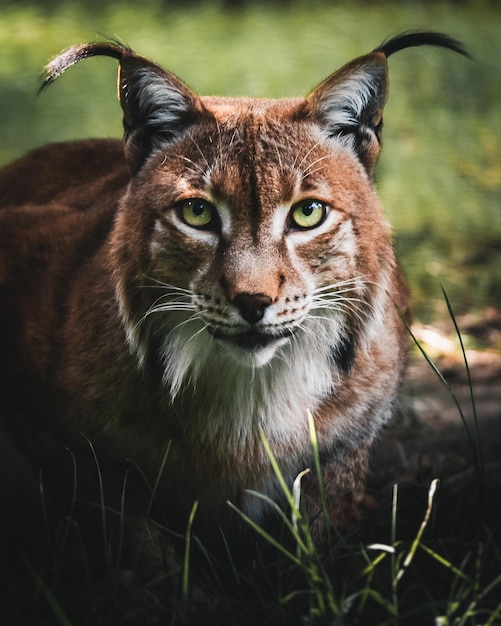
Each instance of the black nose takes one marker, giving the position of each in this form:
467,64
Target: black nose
252,306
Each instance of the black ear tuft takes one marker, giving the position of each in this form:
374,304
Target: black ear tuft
349,104
157,106
60,63
420,38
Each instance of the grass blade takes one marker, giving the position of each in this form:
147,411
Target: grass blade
60,615
187,549
478,454
269,538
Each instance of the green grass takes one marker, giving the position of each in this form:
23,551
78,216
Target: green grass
440,172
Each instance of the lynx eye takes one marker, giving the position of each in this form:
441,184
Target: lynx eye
198,213
307,214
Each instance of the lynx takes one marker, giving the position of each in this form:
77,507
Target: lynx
176,301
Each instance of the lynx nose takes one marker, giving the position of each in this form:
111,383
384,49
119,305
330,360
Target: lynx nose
252,305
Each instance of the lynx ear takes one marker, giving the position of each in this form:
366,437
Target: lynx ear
349,104
157,106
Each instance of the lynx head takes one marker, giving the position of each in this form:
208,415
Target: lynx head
251,231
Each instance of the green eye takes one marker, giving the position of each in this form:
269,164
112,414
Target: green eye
307,214
198,213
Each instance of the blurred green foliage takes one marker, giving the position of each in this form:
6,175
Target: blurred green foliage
439,176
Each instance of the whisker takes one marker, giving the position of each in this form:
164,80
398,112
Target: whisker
341,297
329,297
197,168
160,283
306,330
350,303
198,332
343,307
158,309
169,306
338,302
235,136
325,304
313,163
279,158
309,171
163,307
173,298
342,283
330,289
192,318
299,165
200,151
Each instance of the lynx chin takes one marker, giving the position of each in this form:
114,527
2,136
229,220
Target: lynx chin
168,300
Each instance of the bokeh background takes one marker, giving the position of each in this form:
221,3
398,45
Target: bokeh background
439,175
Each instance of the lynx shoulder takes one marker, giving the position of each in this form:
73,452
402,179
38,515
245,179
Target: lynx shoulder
172,300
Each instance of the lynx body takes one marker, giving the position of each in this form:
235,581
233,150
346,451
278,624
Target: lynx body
172,300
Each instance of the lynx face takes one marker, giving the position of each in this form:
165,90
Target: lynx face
255,250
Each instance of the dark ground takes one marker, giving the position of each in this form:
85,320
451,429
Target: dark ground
432,440
432,437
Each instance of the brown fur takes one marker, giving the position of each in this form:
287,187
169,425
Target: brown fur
87,234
